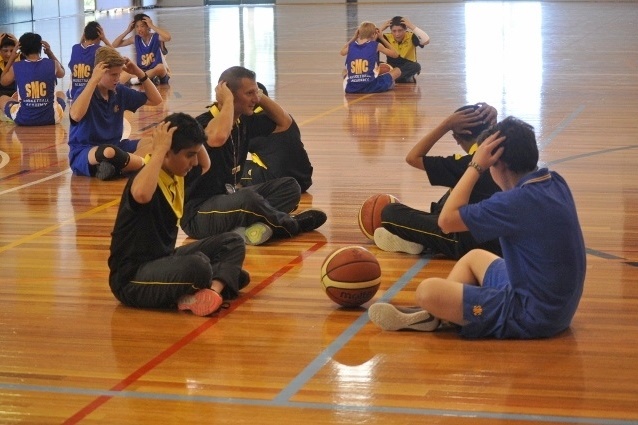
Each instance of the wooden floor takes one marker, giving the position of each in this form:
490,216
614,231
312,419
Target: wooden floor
283,353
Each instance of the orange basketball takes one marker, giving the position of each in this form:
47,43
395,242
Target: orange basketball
351,276
384,68
370,213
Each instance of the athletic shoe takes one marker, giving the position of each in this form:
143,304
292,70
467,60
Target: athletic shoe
134,81
107,171
392,243
257,234
201,303
164,79
390,318
156,80
310,219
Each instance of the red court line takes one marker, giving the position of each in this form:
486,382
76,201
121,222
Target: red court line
188,338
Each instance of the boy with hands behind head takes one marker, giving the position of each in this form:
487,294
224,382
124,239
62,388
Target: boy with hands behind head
147,271
97,118
533,290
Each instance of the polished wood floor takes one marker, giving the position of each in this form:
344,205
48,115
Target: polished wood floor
284,353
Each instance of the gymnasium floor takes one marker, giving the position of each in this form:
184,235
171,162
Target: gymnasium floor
283,352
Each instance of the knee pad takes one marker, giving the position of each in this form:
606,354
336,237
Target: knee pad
120,159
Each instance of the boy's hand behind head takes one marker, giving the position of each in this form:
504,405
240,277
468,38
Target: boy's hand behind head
163,138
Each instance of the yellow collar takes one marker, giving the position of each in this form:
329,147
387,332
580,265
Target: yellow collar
214,111
173,190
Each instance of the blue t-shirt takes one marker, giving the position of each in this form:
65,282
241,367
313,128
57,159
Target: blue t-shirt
81,64
543,247
104,119
148,55
35,81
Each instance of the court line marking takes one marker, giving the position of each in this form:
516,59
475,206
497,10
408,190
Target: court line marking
186,339
320,361
33,183
323,406
282,399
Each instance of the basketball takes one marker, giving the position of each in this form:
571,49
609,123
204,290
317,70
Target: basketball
384,68
370,213
351,276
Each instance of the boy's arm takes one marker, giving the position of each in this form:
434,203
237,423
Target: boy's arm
275,112
344,49
103,37
459,122
164,35
59,69
120,41
421,35
203,159
219,128
485,156
385,47
418,151
145,182
153,95
81,104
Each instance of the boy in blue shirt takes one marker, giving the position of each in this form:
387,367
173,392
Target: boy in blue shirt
96,147
83,57
38,103
534,289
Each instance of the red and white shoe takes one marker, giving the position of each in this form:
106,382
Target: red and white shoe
201,303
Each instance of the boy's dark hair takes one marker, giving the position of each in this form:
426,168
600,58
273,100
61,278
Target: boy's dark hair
520,151
139,17
476,131
397,21
7,41
263,88
189,132
92,31
234,75
30,43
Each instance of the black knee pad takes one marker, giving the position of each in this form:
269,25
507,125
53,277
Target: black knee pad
120,160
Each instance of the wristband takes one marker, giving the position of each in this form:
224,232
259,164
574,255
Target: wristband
477,167
423,37
144,78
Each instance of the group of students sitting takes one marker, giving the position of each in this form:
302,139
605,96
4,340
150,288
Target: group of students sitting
513,229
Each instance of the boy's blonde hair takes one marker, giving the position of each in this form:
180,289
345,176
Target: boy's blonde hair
367,30
109,56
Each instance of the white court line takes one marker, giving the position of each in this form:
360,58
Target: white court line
53,176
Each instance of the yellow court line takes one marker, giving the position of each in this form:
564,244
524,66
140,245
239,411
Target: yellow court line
335,109
50,229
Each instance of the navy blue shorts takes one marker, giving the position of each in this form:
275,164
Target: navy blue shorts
494,309
79,156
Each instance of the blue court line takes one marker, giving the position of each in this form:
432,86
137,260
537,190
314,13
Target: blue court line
585,155
322,406
300,380
564,124
283,398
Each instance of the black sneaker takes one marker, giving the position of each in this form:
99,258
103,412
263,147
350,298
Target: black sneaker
107,171
310,220
244,278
